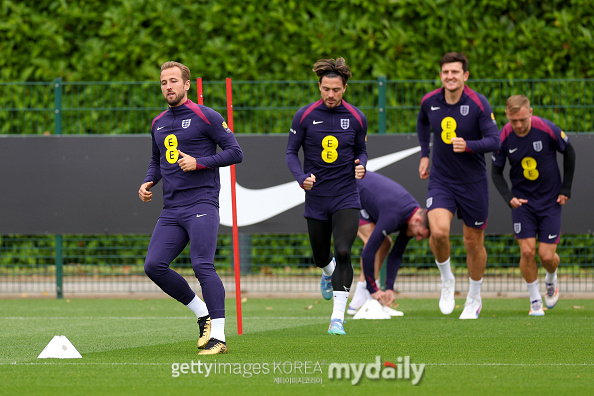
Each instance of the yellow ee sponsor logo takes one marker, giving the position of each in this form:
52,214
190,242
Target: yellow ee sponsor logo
529,165
329,145
171,145
448,126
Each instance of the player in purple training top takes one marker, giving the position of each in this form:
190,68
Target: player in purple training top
331,133
537,194
185,139
464,128
386,207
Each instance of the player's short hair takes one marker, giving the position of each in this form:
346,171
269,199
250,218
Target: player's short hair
451,57
425,222
185,71
333,68
515,103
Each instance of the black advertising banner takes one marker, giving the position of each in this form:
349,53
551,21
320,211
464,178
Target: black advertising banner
89,184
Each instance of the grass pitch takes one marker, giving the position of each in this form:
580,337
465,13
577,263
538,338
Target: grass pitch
133,346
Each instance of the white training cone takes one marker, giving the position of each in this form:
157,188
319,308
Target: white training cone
372,309
59,348
392,311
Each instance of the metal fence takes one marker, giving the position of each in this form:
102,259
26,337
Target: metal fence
391,106
271,264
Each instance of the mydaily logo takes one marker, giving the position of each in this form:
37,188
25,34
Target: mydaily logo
403,369
257,205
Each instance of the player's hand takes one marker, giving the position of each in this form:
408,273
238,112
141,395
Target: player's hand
459,145
378,295
359,170
424,168
187,163
517,202
309,182
143,192
562,200
388,298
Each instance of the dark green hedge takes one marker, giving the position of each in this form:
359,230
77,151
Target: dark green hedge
127,40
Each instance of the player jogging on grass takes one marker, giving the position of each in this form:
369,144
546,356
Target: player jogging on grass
386,207
184,154
537,193
331,133
464,128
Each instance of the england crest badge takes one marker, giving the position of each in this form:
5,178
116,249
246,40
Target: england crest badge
186,123
344,123
464,109
517,227
537,146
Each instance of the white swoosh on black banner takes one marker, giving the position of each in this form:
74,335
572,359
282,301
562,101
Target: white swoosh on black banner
257,205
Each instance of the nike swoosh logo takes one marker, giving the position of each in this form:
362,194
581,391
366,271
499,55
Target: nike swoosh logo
512,150
552,236
257,205
317,122
479,223
434,108
200,215
159,128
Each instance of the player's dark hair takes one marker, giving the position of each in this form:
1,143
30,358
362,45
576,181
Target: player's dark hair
185,71
333,68
451,57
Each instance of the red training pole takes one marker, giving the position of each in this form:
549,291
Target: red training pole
199,90
199,93
234,213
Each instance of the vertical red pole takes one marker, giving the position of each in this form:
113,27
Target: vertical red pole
234,213
233,201
199,90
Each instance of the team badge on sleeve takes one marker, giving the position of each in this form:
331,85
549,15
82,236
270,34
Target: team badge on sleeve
429,202
186,123
464,109
537,146
344,123
226,127
563,136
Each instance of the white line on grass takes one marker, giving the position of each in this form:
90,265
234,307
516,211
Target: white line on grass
321,363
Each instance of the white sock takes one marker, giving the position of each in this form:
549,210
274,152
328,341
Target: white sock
474,289
360,296
198,307
217,329
445,270
340,301
551,277
533,290
329,269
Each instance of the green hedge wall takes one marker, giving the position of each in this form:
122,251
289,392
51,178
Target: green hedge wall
127,40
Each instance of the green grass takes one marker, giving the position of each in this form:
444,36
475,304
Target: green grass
129,346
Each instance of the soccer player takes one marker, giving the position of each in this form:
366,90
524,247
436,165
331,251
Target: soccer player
331,133
386,207
184,154
464,128
537,192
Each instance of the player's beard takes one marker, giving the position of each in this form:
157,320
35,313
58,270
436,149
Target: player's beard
175,100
